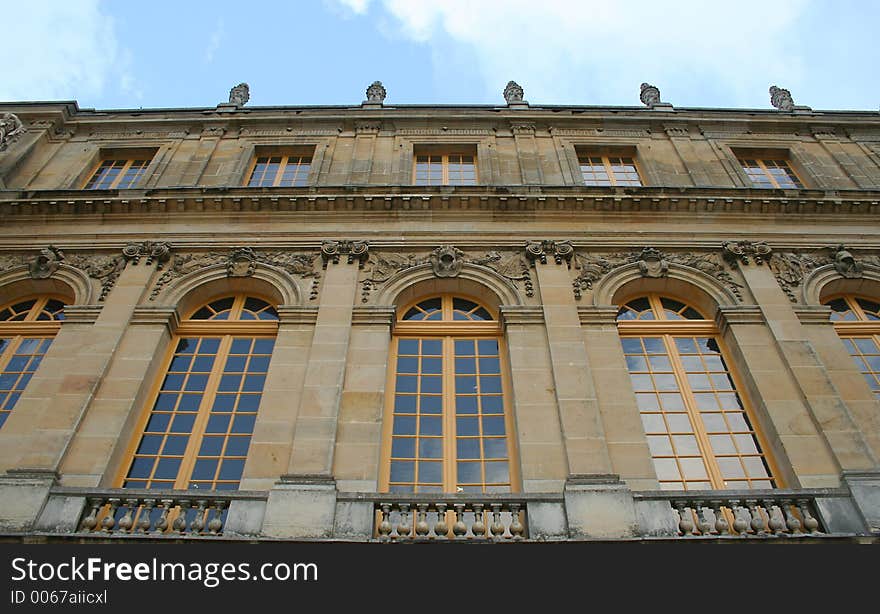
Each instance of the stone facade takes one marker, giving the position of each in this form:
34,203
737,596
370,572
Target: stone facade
358,239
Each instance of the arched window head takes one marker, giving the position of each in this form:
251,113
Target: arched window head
447,418
197,426
27,327
857,322
656,307
447,308
849,308
239,307
698,425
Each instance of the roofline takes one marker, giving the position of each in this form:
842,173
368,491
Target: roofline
74,108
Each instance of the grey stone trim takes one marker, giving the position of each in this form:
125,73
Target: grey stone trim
738,314
521,314
147,314
290,314
378,316
814,314
591,315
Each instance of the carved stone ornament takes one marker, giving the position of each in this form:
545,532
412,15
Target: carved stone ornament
447,261
650,95
652,264
240,94
781,98
46,262
845,263
160,252
376,93
513,93
11,129
105,269
240,262
510,265
758,251
354,250
594,267
562,251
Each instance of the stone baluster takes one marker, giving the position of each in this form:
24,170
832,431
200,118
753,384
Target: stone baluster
791,520
422,528
162,523
479,526
384,529
127,520
459,528
496,529
777,521
441,529
91,521
740,524
758,525
722,527
403,527
179,523
145,517
109,520
811,525
685,518
702,520
198,522
216,523
517,529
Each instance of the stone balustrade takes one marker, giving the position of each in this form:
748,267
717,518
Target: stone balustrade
744,514
481,517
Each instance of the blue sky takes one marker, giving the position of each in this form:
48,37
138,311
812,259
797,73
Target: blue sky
112,54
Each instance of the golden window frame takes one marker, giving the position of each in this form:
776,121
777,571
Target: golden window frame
289,157
865,357
448,331
445,153
668,330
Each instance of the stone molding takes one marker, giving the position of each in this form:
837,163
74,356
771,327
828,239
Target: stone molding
373,316
294,314
597,315
521,314
560,251
151,314
814,314
81,314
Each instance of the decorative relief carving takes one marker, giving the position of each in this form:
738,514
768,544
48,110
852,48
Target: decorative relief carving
742,251
105,269
526,128
845,263
240,262
436,131
158,251
46,262
137,134
367,127
354,250
562,251
240,94
651,263
781,98
445,261
600,132
376,93
790,269
11,129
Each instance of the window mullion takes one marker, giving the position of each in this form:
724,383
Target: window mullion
450,477
198,429
690,404
9,352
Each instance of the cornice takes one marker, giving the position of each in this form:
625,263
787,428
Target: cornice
739,201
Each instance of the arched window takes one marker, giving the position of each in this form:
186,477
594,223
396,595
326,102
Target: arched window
447,425
202,412
698,427
27,327
857,321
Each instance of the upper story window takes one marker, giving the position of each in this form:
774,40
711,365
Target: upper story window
26,331
857,321
608,170
439,167
281,170
770,173
201,414
698,426
118,173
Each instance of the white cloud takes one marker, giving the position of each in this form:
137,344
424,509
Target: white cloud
61,50
599,52
214,41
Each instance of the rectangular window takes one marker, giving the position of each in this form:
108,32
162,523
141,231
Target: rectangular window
605,170
770,173
118,174
444,168
281,170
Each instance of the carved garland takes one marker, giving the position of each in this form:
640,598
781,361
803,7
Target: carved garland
445,261
240,262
